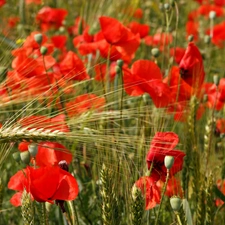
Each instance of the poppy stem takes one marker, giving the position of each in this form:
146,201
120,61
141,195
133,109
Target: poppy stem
163,193
44,219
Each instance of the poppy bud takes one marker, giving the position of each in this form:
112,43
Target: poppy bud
190,38
16,156
168,162
33,149
43,50
119,62
63,165
25,157
38,38
155,52
207,39
167,6
175,203
216,80
212,15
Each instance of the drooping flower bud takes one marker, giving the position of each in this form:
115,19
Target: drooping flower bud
16,156
212,14
175,203
155,52
43,50
25,157
38,38
190,38
168,162
33,149
216,80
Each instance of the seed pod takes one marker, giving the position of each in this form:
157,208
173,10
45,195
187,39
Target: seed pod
38,38
155,52
16,156
33,149
43,50
168,162
25,157
175,203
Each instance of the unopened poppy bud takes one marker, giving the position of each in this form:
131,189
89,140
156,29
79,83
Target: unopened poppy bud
38,38
190,38
212,14
175,203
155,52
43,50
216,80
119,62
25,157
63,165
207,39
33,149
167,6
168,162
16,156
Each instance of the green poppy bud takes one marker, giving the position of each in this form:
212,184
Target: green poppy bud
25,157
212,15
16,156
168,162
175,203
155,52
167,6
38,38
33,149
118,69
190,38
43,50
119,62
207,39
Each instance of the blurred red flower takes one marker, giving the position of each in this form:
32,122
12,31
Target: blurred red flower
220,126
49,17
44,122
145,77
137,28
192,68
150,191
37,2
45,184
221,186
119,36
73,68
84,103
162,145
192,28
49,153
2,2
216,2
218,37
178,54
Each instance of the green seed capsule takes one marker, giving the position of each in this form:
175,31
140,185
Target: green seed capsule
33,149
38,38
16,156
175,203
25,157
155,52
43,50
168,162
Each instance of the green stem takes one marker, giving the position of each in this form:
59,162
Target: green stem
44,218
178,219
163,193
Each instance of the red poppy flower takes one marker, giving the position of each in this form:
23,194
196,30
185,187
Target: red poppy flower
213,96
192,28
59,41
138,13
51,17
173,187
73,68
141,29
2,2
220,126
49,153
118,35
45,184
162,145
191,67
84,103
37,2
221,186
178,55
204,10
148,187
145,77
101,71
159,39
218,37
216,2
44,122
